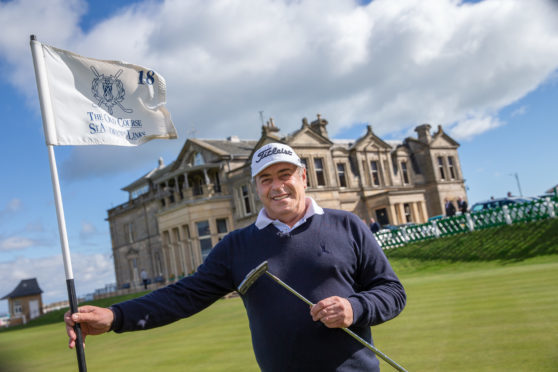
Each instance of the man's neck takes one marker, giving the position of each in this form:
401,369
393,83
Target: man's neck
300,215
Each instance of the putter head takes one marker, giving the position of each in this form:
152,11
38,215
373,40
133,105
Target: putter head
251,277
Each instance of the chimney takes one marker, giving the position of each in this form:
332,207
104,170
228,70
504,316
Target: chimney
319,126
270,129
424,135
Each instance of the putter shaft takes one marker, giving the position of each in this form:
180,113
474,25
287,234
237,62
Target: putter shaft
387,359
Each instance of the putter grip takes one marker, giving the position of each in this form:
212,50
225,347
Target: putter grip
80,352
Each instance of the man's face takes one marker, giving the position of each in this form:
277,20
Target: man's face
281,190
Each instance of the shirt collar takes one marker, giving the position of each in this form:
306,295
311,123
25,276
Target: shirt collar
312,208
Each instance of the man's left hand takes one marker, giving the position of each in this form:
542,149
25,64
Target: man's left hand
334,312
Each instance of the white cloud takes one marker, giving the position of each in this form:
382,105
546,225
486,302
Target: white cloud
470,127
53,20
14,205
88,231
520,111
87,228
394,64
35,227
14,243
90,272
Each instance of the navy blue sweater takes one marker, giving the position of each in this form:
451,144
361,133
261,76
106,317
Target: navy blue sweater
333,254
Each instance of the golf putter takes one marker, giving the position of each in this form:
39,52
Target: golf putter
262,268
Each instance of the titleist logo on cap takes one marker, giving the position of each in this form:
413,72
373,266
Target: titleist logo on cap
272,151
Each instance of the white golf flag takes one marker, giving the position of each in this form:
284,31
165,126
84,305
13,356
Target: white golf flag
96,102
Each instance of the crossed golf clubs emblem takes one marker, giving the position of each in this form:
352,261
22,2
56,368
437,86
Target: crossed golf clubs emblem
107,98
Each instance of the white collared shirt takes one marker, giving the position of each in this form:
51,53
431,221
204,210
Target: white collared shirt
312,208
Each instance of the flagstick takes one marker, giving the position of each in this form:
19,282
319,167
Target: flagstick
66,256
48,125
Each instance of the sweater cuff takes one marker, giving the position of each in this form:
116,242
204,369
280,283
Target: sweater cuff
357,308
117,321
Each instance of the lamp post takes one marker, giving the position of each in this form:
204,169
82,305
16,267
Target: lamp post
518,184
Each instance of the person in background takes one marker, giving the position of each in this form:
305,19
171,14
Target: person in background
450,208
374,226
328,255
462,205
143,275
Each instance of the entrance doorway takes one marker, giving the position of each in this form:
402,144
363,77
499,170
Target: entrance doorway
382,216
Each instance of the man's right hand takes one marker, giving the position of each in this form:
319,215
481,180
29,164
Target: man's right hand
92,319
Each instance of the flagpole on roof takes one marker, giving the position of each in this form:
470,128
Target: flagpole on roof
48,127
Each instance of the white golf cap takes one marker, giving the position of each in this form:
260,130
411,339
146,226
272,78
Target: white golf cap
273,153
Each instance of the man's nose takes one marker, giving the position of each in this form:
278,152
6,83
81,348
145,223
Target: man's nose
276,183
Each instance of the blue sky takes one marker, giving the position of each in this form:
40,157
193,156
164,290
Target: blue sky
486,71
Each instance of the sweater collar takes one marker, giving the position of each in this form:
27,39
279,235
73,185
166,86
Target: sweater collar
312,208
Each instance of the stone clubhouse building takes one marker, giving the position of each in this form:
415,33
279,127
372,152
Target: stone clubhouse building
177,212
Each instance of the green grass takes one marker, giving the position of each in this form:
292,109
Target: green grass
56,316
480,317
504,243
465,312
216,339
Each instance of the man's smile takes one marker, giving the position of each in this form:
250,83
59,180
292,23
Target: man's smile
280,197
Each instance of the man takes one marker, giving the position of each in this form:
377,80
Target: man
374,226
143,276
450,208
462,205
327,255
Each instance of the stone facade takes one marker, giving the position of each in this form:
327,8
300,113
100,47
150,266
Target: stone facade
176,213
